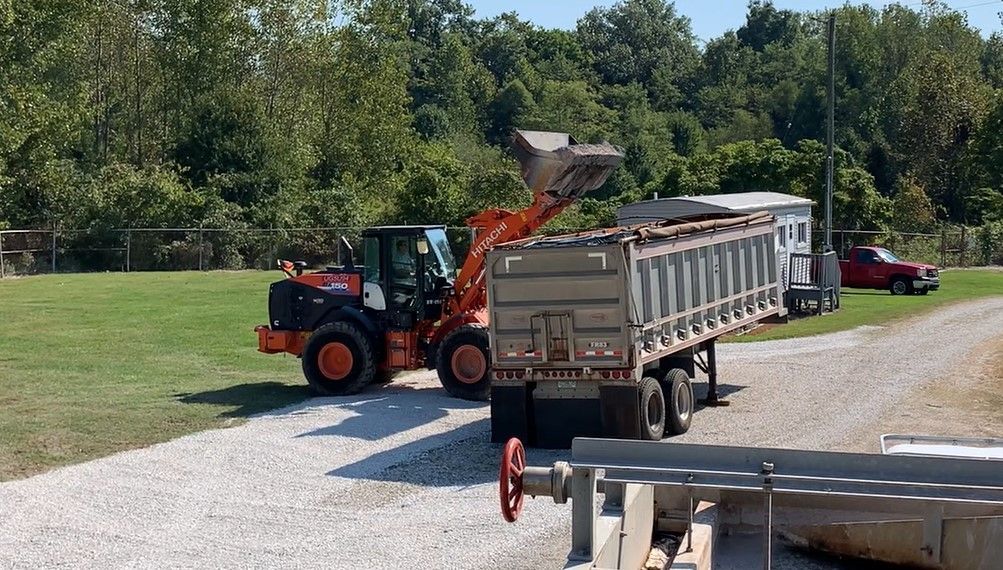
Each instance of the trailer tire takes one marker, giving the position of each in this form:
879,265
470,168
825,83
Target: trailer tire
651,405
464,363
338,360
900,286
680,406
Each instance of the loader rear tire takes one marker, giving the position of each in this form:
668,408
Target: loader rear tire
679,392
338,360
464,363
651,402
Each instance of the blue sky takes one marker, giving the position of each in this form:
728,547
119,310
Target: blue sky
710,17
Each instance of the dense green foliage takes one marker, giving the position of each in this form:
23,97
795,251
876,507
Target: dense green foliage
236,113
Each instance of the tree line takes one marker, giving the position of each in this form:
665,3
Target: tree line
294,113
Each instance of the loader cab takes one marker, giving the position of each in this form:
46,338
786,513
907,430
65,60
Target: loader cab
407,270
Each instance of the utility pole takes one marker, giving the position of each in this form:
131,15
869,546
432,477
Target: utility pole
830,127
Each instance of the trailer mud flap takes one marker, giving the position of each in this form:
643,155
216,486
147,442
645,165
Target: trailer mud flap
560,420
510,414
619,411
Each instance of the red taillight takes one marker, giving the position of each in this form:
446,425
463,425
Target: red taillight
627,373
604,373
510,375
520,375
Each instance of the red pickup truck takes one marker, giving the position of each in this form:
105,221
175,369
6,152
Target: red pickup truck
878,268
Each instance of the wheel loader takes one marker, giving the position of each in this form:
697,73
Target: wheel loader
409,306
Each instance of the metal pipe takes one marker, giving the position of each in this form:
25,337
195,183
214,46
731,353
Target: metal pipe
830,161
538,481
1,256
689,527
53,248
767,515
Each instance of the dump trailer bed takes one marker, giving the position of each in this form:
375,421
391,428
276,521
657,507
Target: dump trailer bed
583,327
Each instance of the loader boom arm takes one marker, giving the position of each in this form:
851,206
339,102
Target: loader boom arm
559,171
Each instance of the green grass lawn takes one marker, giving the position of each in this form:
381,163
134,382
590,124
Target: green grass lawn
96,363
870,307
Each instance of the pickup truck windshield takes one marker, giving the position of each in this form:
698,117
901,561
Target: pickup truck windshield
887,255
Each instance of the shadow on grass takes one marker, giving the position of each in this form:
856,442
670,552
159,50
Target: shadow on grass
873,293
248,399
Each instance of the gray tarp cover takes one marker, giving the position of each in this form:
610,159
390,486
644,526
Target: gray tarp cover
645,232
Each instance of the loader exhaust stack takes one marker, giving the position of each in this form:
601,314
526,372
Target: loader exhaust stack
557,164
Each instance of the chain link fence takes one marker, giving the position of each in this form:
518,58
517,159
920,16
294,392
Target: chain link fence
27,252
952,247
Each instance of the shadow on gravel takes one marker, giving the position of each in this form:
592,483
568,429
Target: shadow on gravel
723,391
458,458
390,410
248,399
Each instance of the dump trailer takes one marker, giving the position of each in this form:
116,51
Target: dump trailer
599,334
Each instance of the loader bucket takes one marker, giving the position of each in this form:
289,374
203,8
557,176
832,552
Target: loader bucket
555,163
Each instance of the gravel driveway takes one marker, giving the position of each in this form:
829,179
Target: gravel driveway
402,477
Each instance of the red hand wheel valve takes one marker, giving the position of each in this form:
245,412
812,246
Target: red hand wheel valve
510,491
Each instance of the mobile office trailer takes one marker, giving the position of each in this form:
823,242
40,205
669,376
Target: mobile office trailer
791,214
600,333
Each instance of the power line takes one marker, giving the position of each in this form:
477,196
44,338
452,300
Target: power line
997,2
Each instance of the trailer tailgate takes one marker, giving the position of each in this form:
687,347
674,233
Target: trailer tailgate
558,307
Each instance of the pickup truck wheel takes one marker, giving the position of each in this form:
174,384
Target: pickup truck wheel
900,286
651,402
464,363
338,360
680,407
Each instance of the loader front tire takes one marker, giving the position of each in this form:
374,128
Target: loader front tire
464,363
338,360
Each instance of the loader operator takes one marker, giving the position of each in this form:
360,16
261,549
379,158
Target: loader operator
405,282
404,265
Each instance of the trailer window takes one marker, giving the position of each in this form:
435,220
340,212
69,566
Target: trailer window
802,232
781,237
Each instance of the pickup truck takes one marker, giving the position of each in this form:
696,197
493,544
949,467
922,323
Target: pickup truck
878,268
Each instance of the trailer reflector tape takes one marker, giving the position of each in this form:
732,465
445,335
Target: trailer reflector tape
521,354
598,353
